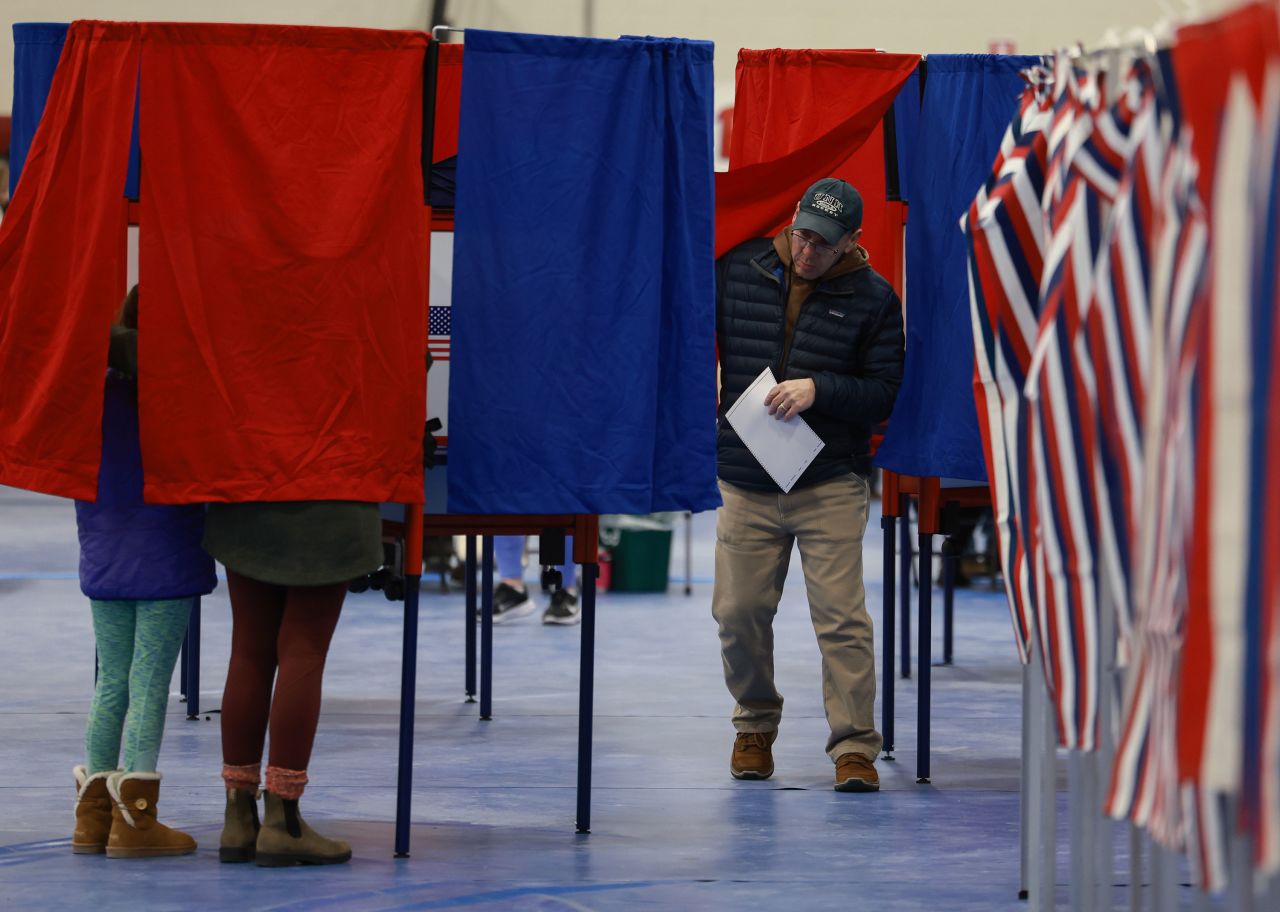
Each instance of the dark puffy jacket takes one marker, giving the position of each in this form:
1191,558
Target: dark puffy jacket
128,549
847,338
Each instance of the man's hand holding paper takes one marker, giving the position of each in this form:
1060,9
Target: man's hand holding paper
783,447
790,397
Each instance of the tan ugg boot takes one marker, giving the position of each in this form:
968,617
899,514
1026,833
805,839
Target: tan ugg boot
285,839
135,831
93,812
239,826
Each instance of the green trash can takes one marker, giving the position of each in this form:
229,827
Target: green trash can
641,560
640,551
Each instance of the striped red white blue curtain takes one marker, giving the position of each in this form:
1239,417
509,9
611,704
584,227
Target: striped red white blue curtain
1124,303
1145,782
1058,387
1004,227
1262,716
1229,70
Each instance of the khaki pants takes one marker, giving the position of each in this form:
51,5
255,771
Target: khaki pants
754,534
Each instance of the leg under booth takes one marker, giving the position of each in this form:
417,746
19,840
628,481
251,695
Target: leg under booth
941,507
513,598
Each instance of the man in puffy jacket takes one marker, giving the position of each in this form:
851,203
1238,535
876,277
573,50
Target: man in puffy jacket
808,305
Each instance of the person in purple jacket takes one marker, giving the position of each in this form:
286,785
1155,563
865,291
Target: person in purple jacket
141,565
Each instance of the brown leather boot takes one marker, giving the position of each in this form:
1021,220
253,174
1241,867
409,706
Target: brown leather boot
855,773
752,755
285,839
240,826
93,812
135,831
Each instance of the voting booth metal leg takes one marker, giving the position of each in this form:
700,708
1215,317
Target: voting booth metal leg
1041,771
950,562
486,629
182,664
1103,838
1164,878
924,657
904,587
1077,798
688,554
586,694
1024,788
470,568
408,694
1240,874
191,664
887,523
1134,893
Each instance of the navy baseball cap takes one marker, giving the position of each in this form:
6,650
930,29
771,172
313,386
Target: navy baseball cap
831,207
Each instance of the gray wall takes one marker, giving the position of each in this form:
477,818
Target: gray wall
926,26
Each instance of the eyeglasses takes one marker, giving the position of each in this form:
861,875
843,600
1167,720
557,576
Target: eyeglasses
816,246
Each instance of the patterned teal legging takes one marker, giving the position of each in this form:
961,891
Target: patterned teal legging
138,643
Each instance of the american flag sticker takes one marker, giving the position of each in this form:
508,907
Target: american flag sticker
440,330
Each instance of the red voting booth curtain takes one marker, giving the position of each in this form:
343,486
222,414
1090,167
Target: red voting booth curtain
282,263
62,266
800,115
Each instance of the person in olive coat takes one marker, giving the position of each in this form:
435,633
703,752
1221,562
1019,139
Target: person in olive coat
288,567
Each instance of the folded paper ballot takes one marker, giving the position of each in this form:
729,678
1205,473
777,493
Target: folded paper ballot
783,448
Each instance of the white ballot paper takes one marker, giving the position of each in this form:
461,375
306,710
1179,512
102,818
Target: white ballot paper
784,448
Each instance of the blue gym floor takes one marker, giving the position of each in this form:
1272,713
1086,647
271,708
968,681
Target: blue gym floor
493,814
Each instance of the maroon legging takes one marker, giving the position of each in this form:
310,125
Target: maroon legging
284,627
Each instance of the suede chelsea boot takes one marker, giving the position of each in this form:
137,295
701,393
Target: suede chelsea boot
240,826
285,839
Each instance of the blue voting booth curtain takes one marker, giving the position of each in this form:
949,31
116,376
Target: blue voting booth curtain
948,152
36,49
37,46
906,120
583,367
